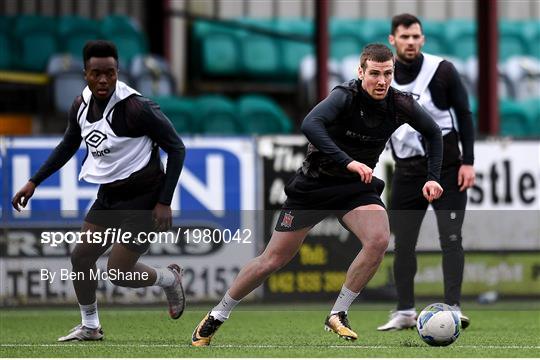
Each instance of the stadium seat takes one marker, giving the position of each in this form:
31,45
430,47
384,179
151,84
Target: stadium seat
260,55
512,40
217,49
461,38
505,86
294,51
35,37
514,119
260,115
74,32
151,76
524,74
217,115
532,107
435,36
349,67
345,38
181,112
68,80
6,43
532,32
374,31
308,83
127,36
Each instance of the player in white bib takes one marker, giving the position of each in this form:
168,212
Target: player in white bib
436,85
123,132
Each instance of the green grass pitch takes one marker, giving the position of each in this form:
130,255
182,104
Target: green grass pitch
295,330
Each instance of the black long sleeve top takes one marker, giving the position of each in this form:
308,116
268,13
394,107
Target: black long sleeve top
350,125
134,116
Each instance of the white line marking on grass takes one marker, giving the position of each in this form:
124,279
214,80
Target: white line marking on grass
270,346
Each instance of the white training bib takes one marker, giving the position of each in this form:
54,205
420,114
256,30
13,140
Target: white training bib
110,157
405,141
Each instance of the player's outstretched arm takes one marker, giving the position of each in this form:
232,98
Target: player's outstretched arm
23,195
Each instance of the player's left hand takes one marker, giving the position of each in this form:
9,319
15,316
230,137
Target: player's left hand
162,216
432,190
466,177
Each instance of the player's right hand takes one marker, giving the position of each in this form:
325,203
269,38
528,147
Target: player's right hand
432,190
365,172
22,196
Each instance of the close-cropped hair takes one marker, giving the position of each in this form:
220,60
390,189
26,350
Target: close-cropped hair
375,52
99,48
406,20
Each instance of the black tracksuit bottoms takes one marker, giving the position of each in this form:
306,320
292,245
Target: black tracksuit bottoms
407,210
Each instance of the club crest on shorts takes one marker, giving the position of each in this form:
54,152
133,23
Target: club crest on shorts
287,220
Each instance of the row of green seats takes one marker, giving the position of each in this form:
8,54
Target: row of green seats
517,118
227,51
223,50
28,41
219,115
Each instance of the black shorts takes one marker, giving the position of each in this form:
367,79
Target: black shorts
128,211
310,200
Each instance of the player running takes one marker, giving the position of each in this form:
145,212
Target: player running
347,132
123,132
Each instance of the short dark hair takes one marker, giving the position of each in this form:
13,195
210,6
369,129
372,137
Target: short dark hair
375,52
406,20
99,48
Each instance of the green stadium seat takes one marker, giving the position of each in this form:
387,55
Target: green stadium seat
36,39
67,78
260,55
5,52
514,119
260,115
292,52
345,38
75,31
512,40
181,112
217,115
6,43
461,38
375,30
532,32
216,49
532,107
435,35
128,38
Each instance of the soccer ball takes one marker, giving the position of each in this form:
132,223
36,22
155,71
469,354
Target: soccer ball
438,325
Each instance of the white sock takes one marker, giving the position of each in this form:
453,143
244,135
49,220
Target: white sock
164,277
344,300
89,315
408,312
222,310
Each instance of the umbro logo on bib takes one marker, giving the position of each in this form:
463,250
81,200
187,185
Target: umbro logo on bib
95,138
